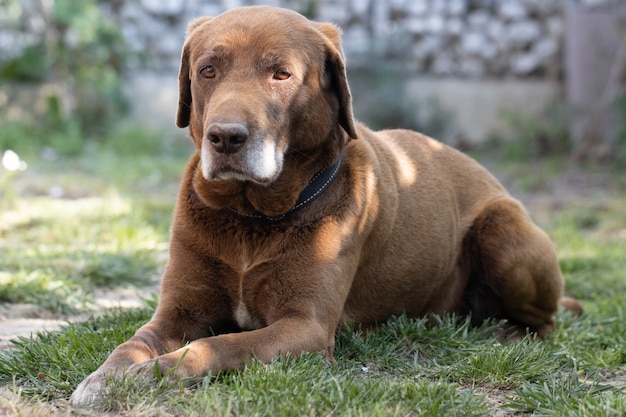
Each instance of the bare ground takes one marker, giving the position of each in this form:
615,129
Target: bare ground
27,319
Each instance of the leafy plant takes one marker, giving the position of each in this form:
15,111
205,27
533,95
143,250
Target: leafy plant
539,135
75,47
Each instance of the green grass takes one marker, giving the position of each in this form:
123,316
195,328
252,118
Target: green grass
407,368
111,229
53,252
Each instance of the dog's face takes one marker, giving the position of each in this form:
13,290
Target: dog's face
258,84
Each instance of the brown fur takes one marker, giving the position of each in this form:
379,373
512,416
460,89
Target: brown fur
409,225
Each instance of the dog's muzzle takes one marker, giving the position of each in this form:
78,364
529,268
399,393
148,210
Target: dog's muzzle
230,150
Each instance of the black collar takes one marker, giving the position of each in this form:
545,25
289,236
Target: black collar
314,189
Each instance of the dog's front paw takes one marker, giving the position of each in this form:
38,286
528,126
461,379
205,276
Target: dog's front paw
170,368
90,390
163,367
148,370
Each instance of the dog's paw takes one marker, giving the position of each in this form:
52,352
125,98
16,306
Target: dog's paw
148,370
169,368
156,369
90,390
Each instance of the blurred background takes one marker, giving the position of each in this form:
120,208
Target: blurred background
549,73
91,158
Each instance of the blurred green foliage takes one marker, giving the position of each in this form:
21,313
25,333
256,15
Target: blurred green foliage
75,46
544,134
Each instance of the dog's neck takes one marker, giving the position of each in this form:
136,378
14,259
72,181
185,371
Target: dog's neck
288,194
318,184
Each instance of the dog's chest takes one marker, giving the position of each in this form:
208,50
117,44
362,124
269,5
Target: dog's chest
242,312
253,264
244,319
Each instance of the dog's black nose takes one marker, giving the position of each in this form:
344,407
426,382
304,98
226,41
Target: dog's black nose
227,137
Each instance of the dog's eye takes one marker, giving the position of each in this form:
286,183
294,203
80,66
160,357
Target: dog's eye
281,75
208,72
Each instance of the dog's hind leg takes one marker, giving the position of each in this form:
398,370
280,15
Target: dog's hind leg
514,272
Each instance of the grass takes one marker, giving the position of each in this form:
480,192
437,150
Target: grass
110,229
54,251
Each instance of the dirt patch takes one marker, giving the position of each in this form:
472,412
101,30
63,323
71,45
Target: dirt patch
26,319
12,404
496,399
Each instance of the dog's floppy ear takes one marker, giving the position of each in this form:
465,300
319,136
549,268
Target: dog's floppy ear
184,81
184,90
336,69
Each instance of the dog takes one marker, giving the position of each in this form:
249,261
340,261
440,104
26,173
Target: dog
292,217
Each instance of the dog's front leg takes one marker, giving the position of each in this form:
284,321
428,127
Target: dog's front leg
210,355
149,342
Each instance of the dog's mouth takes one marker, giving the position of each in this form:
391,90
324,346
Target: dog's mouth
260,162
231,173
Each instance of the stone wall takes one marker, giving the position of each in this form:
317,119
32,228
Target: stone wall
469,60
444,38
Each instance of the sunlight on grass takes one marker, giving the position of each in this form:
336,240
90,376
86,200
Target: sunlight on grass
100,222
54,251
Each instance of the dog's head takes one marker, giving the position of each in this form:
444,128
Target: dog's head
257,83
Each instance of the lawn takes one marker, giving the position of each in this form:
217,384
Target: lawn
100,219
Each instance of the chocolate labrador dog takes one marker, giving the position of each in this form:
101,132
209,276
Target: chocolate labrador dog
293,218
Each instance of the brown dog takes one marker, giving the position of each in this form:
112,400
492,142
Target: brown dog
287,224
